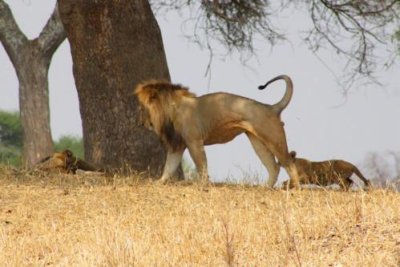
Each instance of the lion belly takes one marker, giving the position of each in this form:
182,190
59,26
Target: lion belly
223,134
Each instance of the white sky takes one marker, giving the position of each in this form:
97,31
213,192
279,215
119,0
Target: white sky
316,128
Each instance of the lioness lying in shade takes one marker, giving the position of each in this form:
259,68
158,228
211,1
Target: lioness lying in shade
64,162
327,172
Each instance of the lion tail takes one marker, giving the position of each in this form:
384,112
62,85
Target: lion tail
359,174
282,104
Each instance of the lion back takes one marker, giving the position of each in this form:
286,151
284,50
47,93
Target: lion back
160,91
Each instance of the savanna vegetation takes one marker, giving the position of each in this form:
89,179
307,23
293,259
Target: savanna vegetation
100,220
66,220
362,32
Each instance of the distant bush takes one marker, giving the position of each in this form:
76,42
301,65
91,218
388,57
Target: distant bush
10,138
10,128
10,155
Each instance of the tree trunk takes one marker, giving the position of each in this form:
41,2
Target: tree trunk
115,44
32,72
31,60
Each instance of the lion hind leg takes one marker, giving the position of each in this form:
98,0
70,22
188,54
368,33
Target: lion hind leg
171,165
276,143
367,183
267,158
345,183
286,160
293,174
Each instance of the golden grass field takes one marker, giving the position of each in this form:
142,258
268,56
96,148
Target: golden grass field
67,220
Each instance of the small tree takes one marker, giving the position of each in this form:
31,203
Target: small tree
31,60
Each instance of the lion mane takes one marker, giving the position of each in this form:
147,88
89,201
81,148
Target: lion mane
323,173
161,98
183,120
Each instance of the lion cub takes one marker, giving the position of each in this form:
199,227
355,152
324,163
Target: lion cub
327,172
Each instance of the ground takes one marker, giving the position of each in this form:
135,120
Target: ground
93,220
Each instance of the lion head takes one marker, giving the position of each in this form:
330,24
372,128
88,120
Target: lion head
158,100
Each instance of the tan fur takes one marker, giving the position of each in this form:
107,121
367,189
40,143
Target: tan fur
157,97
183,120
63,162
328,172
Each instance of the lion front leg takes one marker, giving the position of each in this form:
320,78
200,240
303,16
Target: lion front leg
198,155
273,168
171,165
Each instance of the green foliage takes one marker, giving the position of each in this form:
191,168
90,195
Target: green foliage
10,155
10,138
397,38
73,143
10,129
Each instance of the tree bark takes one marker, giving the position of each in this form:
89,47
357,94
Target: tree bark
115,44
32,70
31,60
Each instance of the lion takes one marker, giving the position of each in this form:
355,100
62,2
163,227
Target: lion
183,120
323,173
64,162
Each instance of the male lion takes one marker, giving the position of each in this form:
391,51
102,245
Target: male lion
183,120
327,172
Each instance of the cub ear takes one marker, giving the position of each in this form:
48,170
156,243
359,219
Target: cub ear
293,154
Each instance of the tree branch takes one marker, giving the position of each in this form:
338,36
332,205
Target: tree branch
53,34
356,30
11,36
233,23
364,23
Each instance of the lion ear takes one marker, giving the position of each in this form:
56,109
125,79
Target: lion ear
153,96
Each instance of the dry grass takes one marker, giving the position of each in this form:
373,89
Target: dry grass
68,220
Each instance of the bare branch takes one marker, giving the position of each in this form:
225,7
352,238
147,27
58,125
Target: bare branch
231,23
53,33
11,36
363,23
362,31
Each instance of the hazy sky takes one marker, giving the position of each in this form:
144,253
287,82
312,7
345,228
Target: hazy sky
320,124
